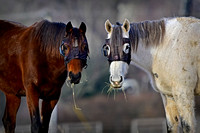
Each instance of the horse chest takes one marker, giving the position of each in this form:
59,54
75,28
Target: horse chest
161,84
50,90
50,85
162,77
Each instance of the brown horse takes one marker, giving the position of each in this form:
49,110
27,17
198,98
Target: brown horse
31,65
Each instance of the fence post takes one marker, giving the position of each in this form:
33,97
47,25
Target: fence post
188,7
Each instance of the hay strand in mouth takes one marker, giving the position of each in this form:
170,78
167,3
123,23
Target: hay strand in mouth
125,97
112,89
67,83
74,99
107,85
78,111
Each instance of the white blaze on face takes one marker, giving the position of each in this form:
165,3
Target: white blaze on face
76,43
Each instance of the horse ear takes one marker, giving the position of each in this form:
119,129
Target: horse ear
69,26
108,26
82,27
126,25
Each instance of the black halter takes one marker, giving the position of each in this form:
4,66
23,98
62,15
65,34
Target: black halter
116,55
75,53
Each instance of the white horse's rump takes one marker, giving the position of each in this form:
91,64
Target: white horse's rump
169,51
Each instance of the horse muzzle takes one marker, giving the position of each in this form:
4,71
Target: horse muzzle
74,78
116,83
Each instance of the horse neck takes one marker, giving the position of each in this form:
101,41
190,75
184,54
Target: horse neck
145,38
52,59
143,56
53,56
57,63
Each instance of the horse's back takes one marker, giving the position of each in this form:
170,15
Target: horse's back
183,37
188,20
190,28
6,26
10,33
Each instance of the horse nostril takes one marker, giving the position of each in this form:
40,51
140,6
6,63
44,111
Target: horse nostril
116,82
78,75
70,74
75,78
111,79
121,79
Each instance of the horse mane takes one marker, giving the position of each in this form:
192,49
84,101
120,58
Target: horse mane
49,35
150,32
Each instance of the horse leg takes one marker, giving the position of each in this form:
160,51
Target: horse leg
172,114
47,108
184,99
9,118
33,106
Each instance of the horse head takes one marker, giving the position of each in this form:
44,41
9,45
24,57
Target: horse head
75,50
117,49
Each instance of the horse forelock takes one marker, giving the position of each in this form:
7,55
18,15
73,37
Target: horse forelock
49,35
150,33
116,38
75,37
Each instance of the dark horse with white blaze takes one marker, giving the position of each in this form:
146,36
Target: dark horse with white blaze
35,62
168,50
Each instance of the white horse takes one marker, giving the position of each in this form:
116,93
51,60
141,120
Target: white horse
169,51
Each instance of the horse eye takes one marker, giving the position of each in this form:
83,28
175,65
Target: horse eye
126,48
106,50
84,48
63,47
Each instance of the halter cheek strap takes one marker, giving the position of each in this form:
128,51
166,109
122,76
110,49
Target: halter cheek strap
73,54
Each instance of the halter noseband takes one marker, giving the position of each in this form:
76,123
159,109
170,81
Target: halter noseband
73,54
116,56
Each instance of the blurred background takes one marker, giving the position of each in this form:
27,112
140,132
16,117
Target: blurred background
114,112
